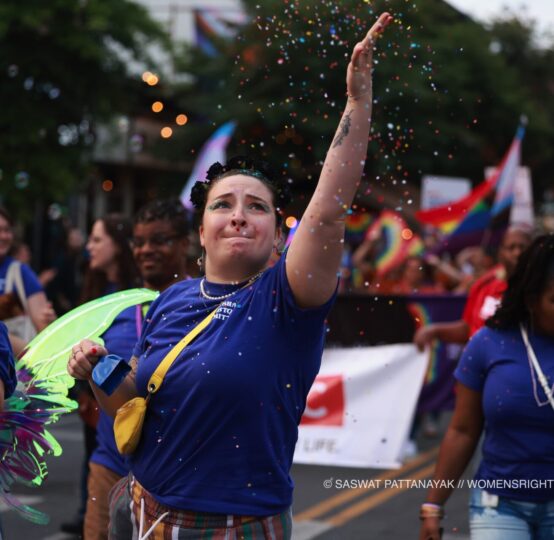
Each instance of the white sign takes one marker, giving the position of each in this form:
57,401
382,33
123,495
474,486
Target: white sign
439,190
360,407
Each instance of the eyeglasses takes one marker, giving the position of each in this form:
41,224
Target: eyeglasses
157,240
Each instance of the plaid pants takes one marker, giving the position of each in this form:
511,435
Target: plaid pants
128,496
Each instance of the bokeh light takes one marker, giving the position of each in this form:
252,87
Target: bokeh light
291,222
407,234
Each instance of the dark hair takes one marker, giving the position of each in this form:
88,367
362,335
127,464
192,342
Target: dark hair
533,273
119,229
6,215
171,210
248,166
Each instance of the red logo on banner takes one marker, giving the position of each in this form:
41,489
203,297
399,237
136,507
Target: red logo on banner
325,406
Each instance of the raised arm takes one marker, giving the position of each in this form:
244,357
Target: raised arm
314,255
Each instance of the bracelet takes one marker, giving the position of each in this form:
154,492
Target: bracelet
431,510
356,98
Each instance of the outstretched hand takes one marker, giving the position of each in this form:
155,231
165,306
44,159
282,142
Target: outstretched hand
358,76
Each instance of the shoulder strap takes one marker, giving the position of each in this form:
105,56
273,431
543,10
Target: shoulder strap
14,280
535,363
10,277
158,376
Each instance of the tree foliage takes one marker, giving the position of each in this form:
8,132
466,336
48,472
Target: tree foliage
64,66
447,98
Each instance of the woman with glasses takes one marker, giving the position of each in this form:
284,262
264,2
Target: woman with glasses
159,245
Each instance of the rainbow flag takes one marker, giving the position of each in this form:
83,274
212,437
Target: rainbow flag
465,221
356,225
422,317
212,151
357,222
397,241
448,217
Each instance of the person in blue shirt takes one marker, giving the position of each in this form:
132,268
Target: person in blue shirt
505,383
30,297
159,244
111,268
218,438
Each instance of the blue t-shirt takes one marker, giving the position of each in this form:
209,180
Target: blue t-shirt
31,283
7,363
519,421
219,435
120,338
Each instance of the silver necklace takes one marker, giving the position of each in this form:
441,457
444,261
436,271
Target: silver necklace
228,295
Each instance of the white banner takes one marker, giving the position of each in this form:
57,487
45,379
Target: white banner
360,407
439,190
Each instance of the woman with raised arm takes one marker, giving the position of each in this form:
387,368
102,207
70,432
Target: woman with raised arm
220,428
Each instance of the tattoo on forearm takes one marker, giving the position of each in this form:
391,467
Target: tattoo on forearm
344,129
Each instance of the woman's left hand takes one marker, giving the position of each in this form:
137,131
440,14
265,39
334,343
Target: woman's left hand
358,76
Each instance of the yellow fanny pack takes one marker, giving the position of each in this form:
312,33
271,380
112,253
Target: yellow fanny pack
129,418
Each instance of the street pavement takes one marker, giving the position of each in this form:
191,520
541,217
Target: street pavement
383,507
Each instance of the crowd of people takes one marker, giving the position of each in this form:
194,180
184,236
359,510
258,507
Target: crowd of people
204,464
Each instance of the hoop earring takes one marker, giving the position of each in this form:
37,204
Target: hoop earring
202,259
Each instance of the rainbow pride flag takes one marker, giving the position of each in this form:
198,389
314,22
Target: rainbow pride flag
397,241
357,222
356,225
422,317
464,222
449,217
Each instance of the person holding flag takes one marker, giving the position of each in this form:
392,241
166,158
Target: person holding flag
484,295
